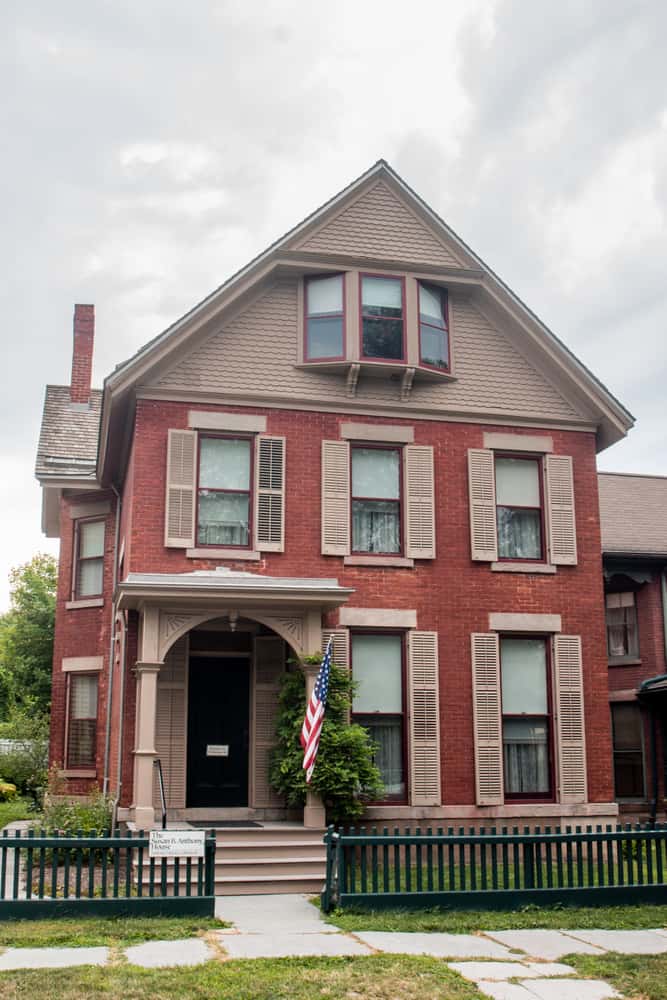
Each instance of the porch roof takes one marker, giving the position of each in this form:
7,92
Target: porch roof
211,586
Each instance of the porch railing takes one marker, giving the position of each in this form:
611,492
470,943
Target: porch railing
45,874
495,869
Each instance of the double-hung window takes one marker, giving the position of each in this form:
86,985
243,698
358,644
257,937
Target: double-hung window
626,726
378,704
81,720
325,331
433,327
622,634
224,491
526,709
89,559
376,499
382,318
519,507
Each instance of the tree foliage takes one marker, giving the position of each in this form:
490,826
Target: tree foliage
345,776
26,638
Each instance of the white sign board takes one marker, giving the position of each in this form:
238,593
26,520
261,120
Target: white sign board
176,844
217,750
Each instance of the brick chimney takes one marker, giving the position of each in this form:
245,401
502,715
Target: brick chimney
82,354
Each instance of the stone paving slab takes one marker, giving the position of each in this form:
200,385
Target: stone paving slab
569,989
505,991
292,913
479,972
549,944
625,942
161,954
289,945
52,958
436,945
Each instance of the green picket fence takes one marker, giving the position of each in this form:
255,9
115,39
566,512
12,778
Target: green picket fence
104,874
495,869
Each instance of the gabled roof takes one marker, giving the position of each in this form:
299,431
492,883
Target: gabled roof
633,514
69,435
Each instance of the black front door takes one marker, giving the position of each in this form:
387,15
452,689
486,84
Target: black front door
218,699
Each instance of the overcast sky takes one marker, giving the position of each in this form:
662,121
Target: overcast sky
151,148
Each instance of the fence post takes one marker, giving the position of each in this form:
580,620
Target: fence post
326,892
209,876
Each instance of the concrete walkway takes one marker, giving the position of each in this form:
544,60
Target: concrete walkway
505,965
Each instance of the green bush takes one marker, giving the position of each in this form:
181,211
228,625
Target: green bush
7,791
25,765
345,776
63,814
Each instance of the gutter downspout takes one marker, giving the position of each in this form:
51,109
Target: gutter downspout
121,725
112,643
654,722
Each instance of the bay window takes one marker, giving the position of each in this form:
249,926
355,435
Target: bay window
433,327
526,717
81,721
621,618
224,491
626,727
325,318
376,499
382,318
519,507
89,559
378,704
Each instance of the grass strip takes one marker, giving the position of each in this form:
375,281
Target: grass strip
90,932
641,976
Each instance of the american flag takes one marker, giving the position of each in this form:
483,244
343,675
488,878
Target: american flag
312,723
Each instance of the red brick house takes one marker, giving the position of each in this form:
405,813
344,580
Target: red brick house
633,512
362,433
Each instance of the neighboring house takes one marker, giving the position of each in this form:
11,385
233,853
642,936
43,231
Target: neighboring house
365,434
633,512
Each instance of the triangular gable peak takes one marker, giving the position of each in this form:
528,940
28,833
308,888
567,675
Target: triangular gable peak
379,224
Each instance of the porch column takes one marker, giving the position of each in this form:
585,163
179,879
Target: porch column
314,815
144,743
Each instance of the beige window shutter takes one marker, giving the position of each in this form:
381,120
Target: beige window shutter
180,504
341,648
171,726
335,498
270,494
269,667
570,719
482,498
487,718
419,502
424,725
561,522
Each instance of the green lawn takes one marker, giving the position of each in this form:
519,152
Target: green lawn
98,931
18,809
373,978
608,917
643,977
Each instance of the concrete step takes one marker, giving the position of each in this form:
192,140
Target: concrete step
293,867
271,848
251,835
248,885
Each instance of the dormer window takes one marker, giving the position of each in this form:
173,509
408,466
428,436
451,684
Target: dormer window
382,312
433,327
325,318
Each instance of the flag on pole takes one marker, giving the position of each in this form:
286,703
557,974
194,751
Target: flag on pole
312,723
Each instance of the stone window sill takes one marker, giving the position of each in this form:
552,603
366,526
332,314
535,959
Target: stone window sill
624,661
379,562
77,773
90,602
233,554
521,567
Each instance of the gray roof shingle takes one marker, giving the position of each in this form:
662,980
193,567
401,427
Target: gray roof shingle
69,435
633,513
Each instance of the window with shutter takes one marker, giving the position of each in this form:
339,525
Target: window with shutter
482,497
562,529
570,719
181,485
270,494
419,502
487,718
424,742
269,667
171,726
335,498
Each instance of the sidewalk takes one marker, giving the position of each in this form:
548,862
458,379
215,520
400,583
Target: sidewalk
290,926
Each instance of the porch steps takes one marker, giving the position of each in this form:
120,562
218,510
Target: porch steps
276,858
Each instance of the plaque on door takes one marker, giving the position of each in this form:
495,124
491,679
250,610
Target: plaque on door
217,750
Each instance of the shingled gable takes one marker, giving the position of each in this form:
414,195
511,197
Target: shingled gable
329,238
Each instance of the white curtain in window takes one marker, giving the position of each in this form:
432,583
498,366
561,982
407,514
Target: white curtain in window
224,464
375,473
526,756
519,533
388,735
91,539
325,295
386,293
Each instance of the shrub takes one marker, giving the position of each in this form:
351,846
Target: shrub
345,776
7,791
63,814
25,764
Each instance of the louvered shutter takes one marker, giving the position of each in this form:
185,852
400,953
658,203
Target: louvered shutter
270,494
424,706
482,498
487,718
570,719
179,526
341,648
335,498
171,726
269,668
562,527
419,502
